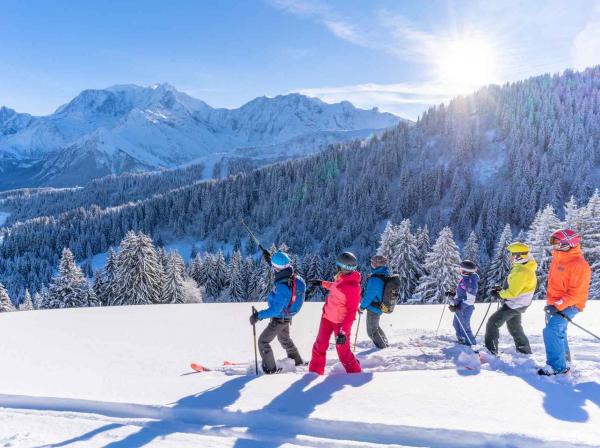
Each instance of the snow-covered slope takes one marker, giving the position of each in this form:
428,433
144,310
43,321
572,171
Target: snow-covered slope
119,377
133,128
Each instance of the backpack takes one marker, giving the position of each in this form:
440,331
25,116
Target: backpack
391,289
298,287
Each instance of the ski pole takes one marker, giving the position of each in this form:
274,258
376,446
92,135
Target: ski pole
577,325
252,235
442,316
356,335
483,320
255,350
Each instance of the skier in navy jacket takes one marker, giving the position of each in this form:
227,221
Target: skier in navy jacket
463,302
284,301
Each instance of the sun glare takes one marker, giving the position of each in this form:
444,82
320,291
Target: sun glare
466,63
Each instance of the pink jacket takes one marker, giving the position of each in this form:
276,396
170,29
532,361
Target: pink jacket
343,299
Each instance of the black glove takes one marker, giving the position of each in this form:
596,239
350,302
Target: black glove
495,292
453,308
340,339
550,310
315,282
254,318
449,293
266,254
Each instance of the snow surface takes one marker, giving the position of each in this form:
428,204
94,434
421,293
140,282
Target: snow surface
119,377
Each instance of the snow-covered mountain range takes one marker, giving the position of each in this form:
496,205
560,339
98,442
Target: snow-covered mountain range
133,128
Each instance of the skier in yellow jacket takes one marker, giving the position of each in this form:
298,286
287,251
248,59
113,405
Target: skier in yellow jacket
516,298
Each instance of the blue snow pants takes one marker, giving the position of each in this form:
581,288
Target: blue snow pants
464,313
555,339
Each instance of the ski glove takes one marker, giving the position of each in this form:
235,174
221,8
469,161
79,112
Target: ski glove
453,308
550,310
266,255
254,318
315,282
340,339
449,293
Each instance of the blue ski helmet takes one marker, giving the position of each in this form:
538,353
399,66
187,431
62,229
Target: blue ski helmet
280,260
347,261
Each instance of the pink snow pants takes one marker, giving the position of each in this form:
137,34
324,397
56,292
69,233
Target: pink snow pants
318,360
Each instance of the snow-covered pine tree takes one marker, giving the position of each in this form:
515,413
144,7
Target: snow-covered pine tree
69,289
387,240
404,260
198,271
543,226
441,266
423,243
237,281
572,215
173,286
499,265
27,304
37,299
5,303
472,250
138,272
252,276
221,274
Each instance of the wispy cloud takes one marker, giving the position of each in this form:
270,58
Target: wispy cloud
585,50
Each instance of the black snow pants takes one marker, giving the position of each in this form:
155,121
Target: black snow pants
279,328
512,318
374,331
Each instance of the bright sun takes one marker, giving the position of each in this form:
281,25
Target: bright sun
467,62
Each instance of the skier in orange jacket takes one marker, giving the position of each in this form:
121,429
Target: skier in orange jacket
567,292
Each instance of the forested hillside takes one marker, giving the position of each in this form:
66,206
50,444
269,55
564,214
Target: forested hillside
480,162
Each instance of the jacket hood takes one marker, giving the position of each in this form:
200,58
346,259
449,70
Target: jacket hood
353,276
384,270
284,274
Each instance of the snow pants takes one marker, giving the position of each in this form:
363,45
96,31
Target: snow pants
318,360
280,329
512,318
464,334
555,339
374,331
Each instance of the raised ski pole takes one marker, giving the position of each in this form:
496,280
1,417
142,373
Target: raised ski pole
252,235
356,335
577,325
255,350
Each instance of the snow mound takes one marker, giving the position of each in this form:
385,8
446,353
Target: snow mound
120,377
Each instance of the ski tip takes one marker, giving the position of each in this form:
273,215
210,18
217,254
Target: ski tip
198,367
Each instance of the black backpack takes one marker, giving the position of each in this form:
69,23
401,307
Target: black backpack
391,290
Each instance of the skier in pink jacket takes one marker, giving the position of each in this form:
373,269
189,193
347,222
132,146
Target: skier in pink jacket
338,314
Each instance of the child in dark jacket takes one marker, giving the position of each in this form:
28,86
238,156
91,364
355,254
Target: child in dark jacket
463,303
372,298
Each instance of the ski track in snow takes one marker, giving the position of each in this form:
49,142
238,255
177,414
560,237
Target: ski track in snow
215,417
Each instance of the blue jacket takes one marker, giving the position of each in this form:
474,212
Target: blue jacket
374,290
280,296
466,291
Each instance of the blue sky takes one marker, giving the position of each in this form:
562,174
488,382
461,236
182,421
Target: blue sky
399,55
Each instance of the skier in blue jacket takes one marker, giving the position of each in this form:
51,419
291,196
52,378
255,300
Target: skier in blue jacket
284,301
463,302
372,299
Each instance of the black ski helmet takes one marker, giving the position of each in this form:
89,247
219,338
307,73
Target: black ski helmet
346,261
468,266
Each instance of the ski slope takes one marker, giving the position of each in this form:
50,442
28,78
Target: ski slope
120,377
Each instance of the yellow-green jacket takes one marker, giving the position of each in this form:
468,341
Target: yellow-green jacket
521,284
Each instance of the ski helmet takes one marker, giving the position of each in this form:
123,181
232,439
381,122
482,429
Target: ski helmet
565,239
280,260
379,260
468,267
346,261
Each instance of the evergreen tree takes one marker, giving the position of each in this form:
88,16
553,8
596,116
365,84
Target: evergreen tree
441,266
173,288
471,250
590,240
538,239
499,265
404,260
5,303
138,272
387,240
27,304
237,281
423,243
69,289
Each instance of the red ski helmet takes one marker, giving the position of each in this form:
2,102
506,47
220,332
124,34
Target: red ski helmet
565,238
